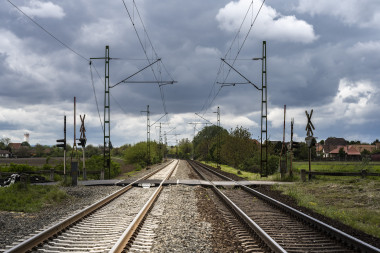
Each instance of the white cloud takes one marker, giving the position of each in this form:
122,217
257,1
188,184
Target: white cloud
207,51
28,119
101,31
353,100
363,13
369,47
32,66
269,25
43,10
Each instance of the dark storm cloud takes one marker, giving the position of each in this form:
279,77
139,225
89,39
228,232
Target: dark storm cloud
305,67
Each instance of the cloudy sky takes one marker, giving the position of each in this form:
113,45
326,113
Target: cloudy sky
322,55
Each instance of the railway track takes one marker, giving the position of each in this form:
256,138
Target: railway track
280,227
109,225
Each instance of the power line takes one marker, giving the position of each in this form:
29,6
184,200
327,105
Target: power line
51,35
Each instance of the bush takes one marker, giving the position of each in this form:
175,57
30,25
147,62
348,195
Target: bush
18,168
272,164
95,163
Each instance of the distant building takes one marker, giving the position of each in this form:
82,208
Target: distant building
353,152
26,137
5,154
14,146
331,144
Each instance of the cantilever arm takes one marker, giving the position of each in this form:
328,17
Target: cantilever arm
240,74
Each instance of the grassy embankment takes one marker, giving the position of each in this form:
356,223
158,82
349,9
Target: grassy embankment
354,201
29,198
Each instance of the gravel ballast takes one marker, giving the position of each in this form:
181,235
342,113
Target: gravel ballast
17,225
194,223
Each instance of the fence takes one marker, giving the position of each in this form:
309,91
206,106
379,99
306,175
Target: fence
50,172
362,173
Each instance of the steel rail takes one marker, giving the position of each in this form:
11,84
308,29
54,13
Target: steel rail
39,238
131,229
338,234
272,244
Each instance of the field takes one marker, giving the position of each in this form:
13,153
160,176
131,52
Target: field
38,161
338,166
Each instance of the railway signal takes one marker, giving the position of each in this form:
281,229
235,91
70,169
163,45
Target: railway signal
62,144
82,142
309,139
309,126
295,145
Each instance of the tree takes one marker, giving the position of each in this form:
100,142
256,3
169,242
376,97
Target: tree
39,149
137,154
205,141
25,144
238,148
23,151
96,164
92,150
185,148
342,153
365,153
4,143
376,141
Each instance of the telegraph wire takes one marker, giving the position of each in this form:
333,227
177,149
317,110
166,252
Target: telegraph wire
51,35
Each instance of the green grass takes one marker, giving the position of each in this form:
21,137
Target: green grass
353,201
29,198
250,175
338,166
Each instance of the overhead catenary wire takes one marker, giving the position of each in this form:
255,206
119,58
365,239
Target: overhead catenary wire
207,104
144,47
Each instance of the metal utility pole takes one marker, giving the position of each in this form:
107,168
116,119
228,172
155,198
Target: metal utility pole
166,144
107,116
264,107
147,135
218,138
291,148
283,150
75,123
264,111
74,164
64,149
160,142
